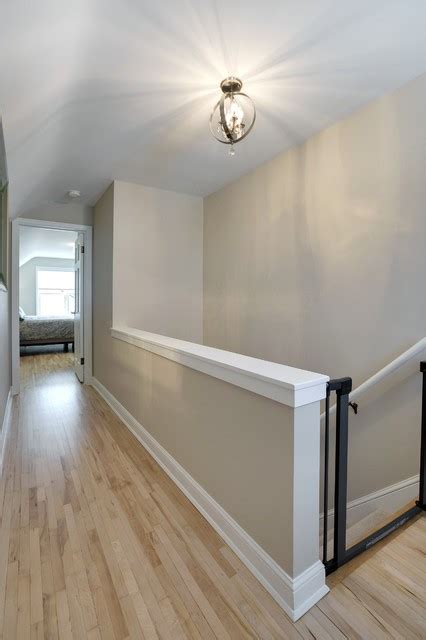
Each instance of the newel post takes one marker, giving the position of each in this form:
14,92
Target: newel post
307,571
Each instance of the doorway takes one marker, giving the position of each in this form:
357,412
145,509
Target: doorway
51,295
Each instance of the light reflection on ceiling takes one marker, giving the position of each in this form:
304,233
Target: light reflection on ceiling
91,91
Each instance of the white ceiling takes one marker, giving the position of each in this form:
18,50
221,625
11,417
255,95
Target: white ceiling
35,242
92,90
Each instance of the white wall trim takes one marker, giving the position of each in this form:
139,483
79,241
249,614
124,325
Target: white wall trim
88,244
389,499
5,427
294,595
52,224
287,385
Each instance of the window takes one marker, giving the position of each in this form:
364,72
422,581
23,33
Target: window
55,292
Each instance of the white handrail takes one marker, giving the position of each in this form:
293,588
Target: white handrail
390,368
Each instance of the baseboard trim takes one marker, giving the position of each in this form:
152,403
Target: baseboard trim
390,498
5,427
294,595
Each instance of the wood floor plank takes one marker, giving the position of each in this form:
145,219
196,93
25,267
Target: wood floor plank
97,542
24,608
4,551
11,611
35,578
64,618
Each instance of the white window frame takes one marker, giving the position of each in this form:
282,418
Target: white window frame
50,268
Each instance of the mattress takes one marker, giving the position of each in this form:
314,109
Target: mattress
40,328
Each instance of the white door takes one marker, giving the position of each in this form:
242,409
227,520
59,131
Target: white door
79,309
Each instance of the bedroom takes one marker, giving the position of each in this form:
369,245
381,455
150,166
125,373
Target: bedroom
46,291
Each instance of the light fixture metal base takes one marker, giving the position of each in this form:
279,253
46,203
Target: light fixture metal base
73,193
231,85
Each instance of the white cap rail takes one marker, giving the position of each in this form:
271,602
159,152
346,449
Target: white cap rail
287,385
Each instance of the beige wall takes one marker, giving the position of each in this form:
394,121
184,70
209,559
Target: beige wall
239,446
158,261
317,260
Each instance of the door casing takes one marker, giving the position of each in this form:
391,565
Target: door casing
87,230
79,266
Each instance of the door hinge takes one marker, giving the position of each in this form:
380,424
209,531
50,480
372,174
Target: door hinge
81,361
82,249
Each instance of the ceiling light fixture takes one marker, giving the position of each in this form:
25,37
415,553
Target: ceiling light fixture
234,115
73,193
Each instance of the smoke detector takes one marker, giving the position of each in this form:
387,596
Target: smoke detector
73,193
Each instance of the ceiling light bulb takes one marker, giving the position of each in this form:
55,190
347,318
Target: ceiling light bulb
234,114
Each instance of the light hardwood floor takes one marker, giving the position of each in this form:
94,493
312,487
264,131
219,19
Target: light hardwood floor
97,542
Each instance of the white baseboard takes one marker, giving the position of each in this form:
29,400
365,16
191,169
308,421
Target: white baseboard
5,427
294,595
389,499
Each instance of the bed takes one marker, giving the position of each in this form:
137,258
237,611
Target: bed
40,330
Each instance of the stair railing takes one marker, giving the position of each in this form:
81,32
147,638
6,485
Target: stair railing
342,387
405,358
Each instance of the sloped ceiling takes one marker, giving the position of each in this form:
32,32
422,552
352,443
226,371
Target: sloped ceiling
92,90
36,242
